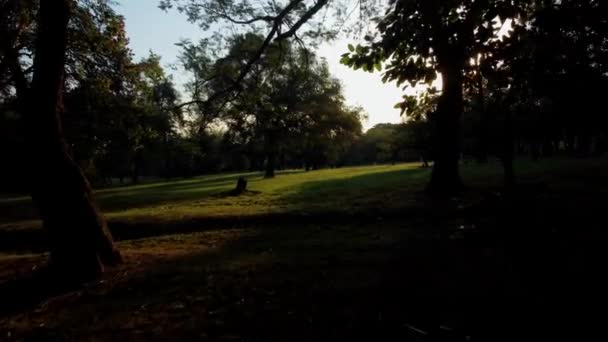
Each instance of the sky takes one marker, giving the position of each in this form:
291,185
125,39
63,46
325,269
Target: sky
151,29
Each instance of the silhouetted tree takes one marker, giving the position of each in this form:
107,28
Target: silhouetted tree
421,39
288,104
80,242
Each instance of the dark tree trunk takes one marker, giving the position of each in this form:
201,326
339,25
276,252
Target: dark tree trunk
80,242
137,162
445,178
271,153
482,146
167,156
507,153
271,160
423,158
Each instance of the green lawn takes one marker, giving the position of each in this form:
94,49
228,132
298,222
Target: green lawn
344,190
489,268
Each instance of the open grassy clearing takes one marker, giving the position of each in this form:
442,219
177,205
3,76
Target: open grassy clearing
331,189
345,190
493,269
331,196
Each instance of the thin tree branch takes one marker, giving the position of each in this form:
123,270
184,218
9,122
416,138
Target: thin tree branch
273,35
309,14
258,54
225,16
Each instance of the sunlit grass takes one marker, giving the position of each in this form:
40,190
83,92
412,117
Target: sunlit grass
323,190
342,190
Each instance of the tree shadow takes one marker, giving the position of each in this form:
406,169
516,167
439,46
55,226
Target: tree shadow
143,195
495,272
316,201
527,265
382,191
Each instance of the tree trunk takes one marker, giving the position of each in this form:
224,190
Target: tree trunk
507,153
445,178
137,163
482,145
270,164
271,153
80,242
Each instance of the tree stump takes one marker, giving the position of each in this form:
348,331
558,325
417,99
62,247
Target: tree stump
241,186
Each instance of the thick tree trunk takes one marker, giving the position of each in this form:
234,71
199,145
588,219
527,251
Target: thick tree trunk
80,242
445,178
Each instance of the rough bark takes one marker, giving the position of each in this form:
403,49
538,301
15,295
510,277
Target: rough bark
445,177
80,243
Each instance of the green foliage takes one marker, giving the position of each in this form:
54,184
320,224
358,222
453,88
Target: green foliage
417,39
391,143
288,106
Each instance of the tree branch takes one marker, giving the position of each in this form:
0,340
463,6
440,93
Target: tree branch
258,54
224,15
273,35
309,14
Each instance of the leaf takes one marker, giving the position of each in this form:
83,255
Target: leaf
378,66
351,48
370,66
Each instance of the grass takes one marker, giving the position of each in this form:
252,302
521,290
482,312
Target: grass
344,190
341,189
494,270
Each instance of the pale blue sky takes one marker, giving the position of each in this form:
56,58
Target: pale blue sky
149,28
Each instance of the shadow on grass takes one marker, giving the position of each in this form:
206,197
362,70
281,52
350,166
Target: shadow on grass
355,199
524,268
141,195
297,283
375,191
407,280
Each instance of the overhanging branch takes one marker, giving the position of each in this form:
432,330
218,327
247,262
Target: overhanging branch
273,35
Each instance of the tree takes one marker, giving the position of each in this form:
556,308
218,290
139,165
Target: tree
125,130
421,38
287,99
80,242
543,85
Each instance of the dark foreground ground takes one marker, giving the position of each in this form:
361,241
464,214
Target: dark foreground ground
486,266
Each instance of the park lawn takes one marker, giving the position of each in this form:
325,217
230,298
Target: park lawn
487,273
346,189
373,190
